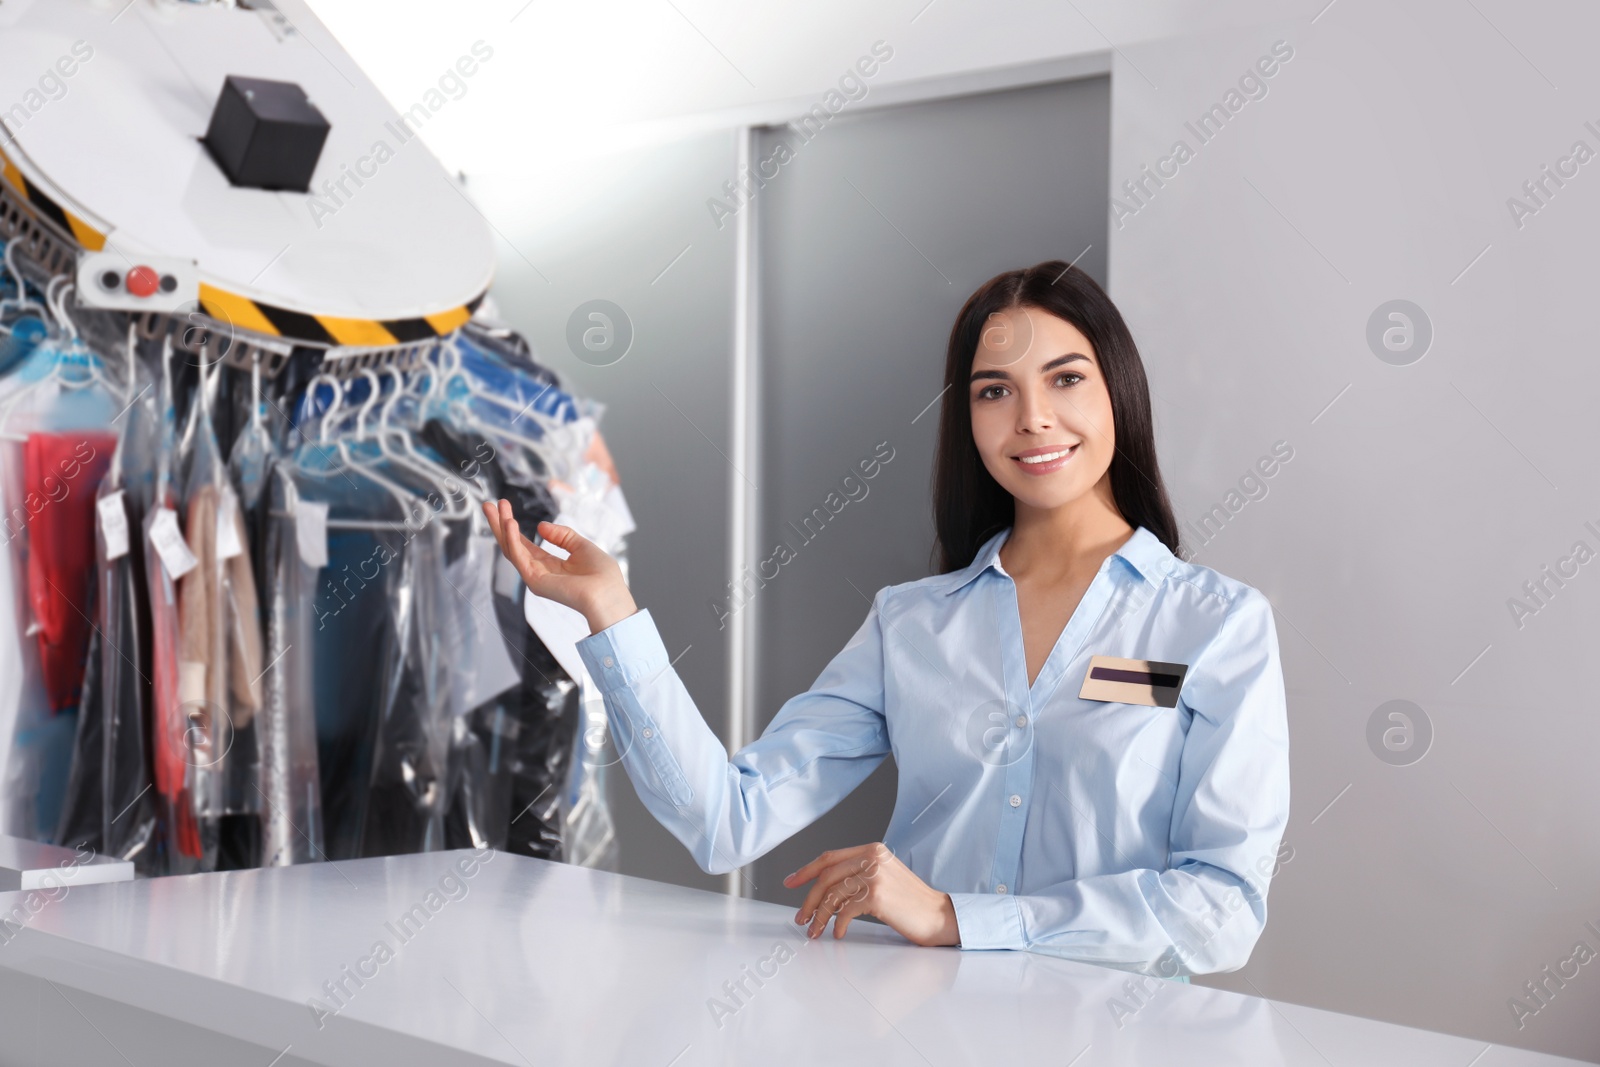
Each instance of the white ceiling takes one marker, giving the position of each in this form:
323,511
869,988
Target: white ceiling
571,78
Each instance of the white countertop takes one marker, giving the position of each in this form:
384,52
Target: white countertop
532,962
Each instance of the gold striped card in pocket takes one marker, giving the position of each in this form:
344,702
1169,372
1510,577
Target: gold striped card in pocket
1133,681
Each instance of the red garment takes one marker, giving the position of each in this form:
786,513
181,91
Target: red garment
61,472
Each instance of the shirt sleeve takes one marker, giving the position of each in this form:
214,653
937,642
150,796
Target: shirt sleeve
728,812
1204,913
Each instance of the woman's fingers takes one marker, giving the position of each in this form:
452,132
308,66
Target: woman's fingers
583,552
563,537
491,512
852,908
512,543
531,561
585,578
503,523
809,871
498,512
870,880
537,566
821,902
821,869
816,866
843,889
838,884
847,888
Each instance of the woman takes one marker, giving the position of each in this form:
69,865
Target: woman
1053,796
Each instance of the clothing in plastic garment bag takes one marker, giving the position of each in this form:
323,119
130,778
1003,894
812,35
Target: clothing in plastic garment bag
410,762
108,807
57,404
219,641
382,730
291,799
512,755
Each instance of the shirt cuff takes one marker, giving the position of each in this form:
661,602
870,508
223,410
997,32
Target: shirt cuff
988,920
624,653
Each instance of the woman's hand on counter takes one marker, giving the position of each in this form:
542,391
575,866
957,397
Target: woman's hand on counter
871,880
588,581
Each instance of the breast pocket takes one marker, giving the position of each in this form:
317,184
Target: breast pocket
1127,735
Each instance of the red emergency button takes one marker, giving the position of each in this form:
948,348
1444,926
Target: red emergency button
143,281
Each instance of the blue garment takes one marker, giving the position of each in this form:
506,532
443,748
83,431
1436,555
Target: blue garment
1136,837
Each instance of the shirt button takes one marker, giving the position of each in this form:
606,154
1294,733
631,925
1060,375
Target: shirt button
1016,801
609,662
1001,888
1022,720
648,733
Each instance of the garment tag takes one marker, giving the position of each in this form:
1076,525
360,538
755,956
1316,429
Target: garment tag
311,532
191,684
483,668
170,545
228,544
113,524
1133,681
506,579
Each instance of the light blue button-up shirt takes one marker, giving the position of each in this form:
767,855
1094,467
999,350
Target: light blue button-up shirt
1128,835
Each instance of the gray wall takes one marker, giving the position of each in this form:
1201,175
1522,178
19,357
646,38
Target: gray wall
1378,167
870,241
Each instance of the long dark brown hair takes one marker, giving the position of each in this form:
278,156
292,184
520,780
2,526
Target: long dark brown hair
969,506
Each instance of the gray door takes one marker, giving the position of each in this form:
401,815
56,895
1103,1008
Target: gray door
869,239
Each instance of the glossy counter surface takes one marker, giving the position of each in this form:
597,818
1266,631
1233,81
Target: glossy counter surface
451,958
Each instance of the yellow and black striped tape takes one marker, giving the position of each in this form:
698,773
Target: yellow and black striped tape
86,235
246,314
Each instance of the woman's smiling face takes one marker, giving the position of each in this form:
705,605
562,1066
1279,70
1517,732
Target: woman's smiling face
1041,412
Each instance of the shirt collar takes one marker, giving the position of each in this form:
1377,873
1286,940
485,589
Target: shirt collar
1143,552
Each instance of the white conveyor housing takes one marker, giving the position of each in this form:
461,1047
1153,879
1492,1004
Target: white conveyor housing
104,104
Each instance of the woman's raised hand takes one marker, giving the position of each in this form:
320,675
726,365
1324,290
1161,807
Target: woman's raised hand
588,581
